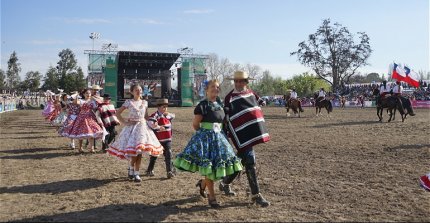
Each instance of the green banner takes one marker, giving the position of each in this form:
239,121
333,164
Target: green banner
186,85
111,80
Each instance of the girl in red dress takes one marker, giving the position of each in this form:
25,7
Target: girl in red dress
85,126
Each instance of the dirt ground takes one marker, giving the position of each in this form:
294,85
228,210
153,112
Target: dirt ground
347,167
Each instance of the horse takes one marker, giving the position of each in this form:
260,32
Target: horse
391,103
407,107
322,103
294,104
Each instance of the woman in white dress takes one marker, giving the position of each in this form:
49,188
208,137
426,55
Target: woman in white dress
136,137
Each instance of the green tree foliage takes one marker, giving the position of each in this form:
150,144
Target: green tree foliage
369,78
51,80
333,54
70,76
2,80
305,84
12,73
32,81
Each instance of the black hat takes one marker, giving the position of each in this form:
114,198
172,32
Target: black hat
107,96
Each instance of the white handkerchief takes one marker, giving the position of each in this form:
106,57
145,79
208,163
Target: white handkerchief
217,127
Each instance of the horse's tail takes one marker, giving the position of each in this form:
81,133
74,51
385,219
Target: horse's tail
400,106
330,106
408,106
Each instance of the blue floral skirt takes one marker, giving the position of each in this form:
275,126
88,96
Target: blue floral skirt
210,153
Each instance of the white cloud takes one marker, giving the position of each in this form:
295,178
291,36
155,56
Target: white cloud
198,11
142,21
86,21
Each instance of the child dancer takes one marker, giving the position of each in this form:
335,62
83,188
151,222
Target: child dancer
72,112
59,120
136,137
106,114
209,151
85,126
160,123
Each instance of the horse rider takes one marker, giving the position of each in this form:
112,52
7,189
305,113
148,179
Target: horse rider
383,90
321,95
398,89
293,96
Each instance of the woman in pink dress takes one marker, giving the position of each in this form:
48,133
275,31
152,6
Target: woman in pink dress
72,112
49,107
136,137
85,126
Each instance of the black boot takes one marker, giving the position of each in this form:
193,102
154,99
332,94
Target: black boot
255,189
224,185
226,188
150,171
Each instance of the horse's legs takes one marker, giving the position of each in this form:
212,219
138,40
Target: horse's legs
379,113
391,114
394,114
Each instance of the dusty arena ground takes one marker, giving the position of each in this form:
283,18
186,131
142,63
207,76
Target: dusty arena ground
347,167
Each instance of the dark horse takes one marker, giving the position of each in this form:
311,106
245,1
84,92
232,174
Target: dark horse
407,106
294,104
322,103
391,103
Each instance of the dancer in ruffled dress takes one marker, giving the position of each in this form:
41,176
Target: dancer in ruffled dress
208,150
59,120
136,137
72,112
49,107
57,109
85,126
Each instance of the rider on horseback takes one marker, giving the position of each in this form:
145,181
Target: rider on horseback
383,90
321,95
398,89
293,96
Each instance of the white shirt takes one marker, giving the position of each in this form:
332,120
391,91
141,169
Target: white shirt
398,89
382,89
321,94
293,95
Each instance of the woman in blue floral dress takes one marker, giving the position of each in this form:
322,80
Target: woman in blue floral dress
209,151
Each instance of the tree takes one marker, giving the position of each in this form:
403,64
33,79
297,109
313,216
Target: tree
2,80
333,54
70,76
32,81
12,73
51,80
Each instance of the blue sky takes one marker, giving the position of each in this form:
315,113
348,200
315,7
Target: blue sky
251,31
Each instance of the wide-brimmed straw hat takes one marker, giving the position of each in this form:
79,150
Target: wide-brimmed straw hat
162,101
96,87
240,75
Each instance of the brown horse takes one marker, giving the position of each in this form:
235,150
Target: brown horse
295,105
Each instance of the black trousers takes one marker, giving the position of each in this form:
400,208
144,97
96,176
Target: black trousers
248,161
110,137
167,152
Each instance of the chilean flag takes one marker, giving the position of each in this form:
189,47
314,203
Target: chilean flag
411,77
398,73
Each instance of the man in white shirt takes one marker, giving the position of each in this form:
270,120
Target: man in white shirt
398,89
384,89
321,95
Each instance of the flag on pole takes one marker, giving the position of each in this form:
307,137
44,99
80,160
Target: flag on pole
412,78
398,73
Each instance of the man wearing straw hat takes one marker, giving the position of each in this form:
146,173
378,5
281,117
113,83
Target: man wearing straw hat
246,128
